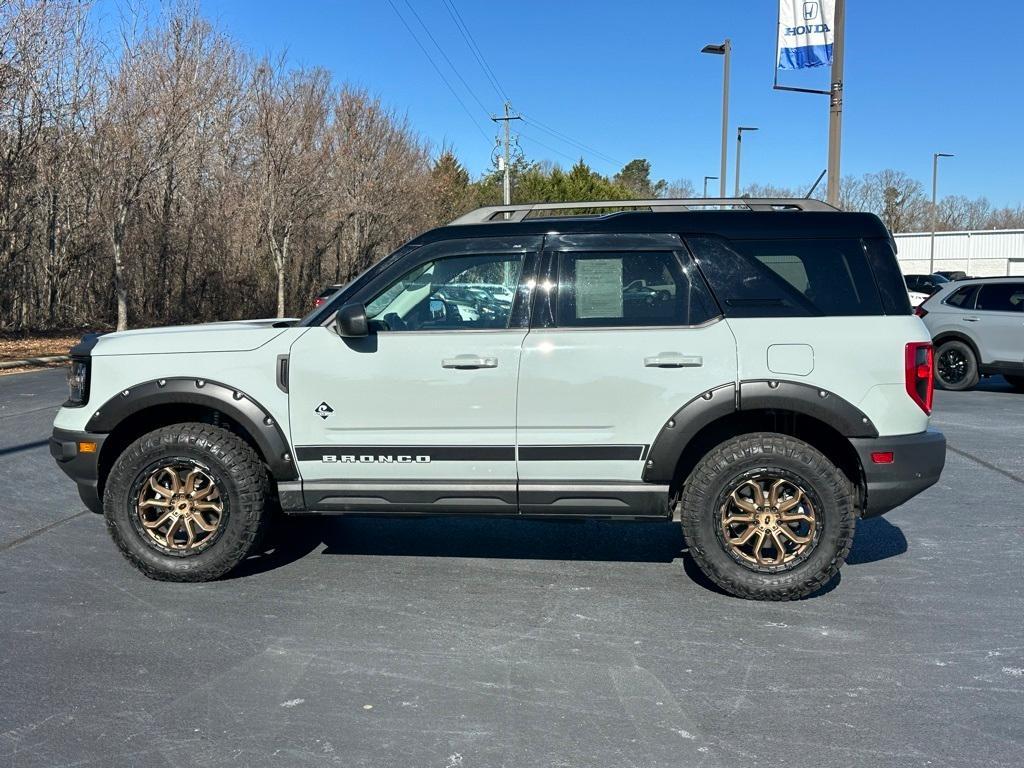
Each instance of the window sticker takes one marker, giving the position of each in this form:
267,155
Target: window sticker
598,288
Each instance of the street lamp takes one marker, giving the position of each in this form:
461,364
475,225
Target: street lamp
724,50
739,144
706,180
935,187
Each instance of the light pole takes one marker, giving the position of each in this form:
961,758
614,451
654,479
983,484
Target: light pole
706,180
935,188
724,50
835,109
739,145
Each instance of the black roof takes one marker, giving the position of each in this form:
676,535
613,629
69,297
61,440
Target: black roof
734,225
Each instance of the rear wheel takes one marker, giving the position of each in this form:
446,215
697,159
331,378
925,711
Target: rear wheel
956,366
1017,382
768,517
187,502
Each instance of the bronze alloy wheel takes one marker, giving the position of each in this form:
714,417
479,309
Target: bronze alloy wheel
180,508
768,523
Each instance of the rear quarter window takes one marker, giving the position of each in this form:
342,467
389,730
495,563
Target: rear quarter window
801,278
963,298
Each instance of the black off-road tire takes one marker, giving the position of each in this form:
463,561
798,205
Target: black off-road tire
970,376
759,454
241,479
1017,382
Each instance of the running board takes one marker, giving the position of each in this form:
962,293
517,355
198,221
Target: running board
537,499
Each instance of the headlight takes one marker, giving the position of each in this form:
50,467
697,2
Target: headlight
78,382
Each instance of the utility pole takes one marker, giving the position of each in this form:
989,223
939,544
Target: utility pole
507,181
835,110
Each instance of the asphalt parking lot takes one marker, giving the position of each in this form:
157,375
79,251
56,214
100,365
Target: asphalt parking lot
446,643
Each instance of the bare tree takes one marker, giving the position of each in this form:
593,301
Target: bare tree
289,125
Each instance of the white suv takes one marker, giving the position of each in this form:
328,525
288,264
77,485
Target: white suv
978,328
753,372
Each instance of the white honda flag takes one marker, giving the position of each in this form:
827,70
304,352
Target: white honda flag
805,33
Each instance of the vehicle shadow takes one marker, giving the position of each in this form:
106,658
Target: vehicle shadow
520,539
506,538
876,539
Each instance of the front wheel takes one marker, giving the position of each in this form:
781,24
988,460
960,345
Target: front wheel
768,517
186,502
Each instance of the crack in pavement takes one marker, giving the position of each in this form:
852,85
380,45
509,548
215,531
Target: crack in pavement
38,531
987,465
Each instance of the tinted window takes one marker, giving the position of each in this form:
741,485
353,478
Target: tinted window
465,292
888,279
963,298
793,278
1001,297
628,289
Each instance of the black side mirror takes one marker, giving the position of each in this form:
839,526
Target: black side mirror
351,322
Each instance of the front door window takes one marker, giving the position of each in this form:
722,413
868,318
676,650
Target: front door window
458,293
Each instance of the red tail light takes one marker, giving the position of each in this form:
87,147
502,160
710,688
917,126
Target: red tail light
920,311
918,366
318,302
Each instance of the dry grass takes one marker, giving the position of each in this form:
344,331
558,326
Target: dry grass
23,347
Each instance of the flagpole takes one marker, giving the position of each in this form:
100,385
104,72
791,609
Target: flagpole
835,110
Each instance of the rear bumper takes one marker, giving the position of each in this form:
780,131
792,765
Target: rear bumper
81,467
917,464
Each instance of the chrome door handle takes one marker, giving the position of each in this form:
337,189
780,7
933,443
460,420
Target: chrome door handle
469,362
970,319
673,360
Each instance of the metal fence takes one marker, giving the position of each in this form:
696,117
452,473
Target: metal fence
981,253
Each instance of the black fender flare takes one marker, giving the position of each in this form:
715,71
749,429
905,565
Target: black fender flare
797,397
232,402
684,425
767,394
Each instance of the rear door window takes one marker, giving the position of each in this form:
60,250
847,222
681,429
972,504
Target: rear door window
641,288
1001,297
792,278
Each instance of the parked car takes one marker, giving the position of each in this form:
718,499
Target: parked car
978,329
917,299
926,284
953,275
760,380
326,293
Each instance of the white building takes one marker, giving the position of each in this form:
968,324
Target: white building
981,253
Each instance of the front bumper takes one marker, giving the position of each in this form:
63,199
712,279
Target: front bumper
81,467
917,463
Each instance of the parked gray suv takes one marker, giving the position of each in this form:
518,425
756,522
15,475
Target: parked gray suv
978,328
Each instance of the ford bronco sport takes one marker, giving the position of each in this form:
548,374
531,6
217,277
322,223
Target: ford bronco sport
750,369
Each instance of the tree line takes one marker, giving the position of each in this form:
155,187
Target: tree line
167,175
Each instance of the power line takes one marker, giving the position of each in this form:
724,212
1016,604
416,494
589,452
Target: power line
548,146
463,28
445,55
569,140
475,49
439,72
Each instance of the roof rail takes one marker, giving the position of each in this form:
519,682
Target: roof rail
512,213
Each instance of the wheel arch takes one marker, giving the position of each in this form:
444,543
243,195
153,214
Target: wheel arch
945,336
154,404
818,417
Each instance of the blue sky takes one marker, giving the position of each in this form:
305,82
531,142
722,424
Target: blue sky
626,79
